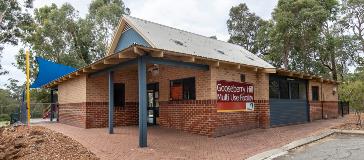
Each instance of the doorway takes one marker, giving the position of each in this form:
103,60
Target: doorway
153,103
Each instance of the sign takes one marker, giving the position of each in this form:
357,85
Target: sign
234,96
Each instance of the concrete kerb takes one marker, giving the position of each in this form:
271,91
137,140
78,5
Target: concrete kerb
271,154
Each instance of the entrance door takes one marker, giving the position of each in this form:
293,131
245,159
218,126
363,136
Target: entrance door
153,103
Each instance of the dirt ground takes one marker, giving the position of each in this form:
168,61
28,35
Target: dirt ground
350,123
38,143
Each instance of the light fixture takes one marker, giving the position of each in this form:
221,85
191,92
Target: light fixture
154,69
334,90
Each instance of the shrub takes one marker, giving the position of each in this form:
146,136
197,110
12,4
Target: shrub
4,117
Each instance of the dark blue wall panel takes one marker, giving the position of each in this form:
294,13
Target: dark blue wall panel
285,111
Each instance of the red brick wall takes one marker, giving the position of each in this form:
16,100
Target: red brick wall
315,110
73,114
95,114
194,116
98,112
331,109
201,117
327,109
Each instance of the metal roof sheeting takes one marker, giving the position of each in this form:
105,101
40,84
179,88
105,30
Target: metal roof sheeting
168,38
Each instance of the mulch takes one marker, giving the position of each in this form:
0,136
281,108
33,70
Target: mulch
36,142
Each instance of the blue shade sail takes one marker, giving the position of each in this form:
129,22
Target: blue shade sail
49,71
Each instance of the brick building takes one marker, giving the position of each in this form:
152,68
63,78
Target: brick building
158,75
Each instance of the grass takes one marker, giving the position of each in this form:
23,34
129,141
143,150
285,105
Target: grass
4,123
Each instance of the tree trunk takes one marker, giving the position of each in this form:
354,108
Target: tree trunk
333,66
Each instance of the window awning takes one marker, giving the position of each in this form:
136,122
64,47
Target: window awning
49,71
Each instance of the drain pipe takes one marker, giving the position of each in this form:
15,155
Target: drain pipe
322,104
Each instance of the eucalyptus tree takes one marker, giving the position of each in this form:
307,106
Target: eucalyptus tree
296,31
12,17
243,26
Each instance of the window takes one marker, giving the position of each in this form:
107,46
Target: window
242,77
119,94
274,89
295,91
315,93
183,89
287,88
284,89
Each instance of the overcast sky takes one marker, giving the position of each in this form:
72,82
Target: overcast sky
205,17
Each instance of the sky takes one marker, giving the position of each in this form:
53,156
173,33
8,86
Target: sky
205,17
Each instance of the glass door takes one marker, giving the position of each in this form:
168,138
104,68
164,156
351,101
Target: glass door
153,103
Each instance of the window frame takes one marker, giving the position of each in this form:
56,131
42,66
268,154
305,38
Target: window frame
318,93
282,82
183,82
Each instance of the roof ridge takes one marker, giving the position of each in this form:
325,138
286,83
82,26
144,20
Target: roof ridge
183,30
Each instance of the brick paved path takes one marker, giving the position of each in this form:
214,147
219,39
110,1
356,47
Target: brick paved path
172,144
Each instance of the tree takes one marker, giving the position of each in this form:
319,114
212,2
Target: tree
243,27
12,18
104,15
54,35
336,51
353,92
60,35
353,11
297,26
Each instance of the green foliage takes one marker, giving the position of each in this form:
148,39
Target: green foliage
59,34
352,91
7,103
243,27
303,35
104,15
4,117
12,18
298,25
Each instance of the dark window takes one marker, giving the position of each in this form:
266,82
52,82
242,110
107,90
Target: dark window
295,91
284,89
274,89
315,93
183,89
242,77
119,94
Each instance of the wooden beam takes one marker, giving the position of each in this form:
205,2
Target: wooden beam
138,51
78,73
111,61
255,69
269,70
127,56
188,59
87,70
301,75
97,66
159,54
238,66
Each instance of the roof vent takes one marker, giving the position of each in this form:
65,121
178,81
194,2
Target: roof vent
219,51
250,58
213,37
178,42
127,27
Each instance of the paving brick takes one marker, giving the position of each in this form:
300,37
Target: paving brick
164,143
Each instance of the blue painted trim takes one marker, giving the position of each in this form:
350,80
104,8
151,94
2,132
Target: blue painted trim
111,103
129,38
113,68
153,60
142,81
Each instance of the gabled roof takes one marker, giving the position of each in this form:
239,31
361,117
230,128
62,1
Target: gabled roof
172,39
